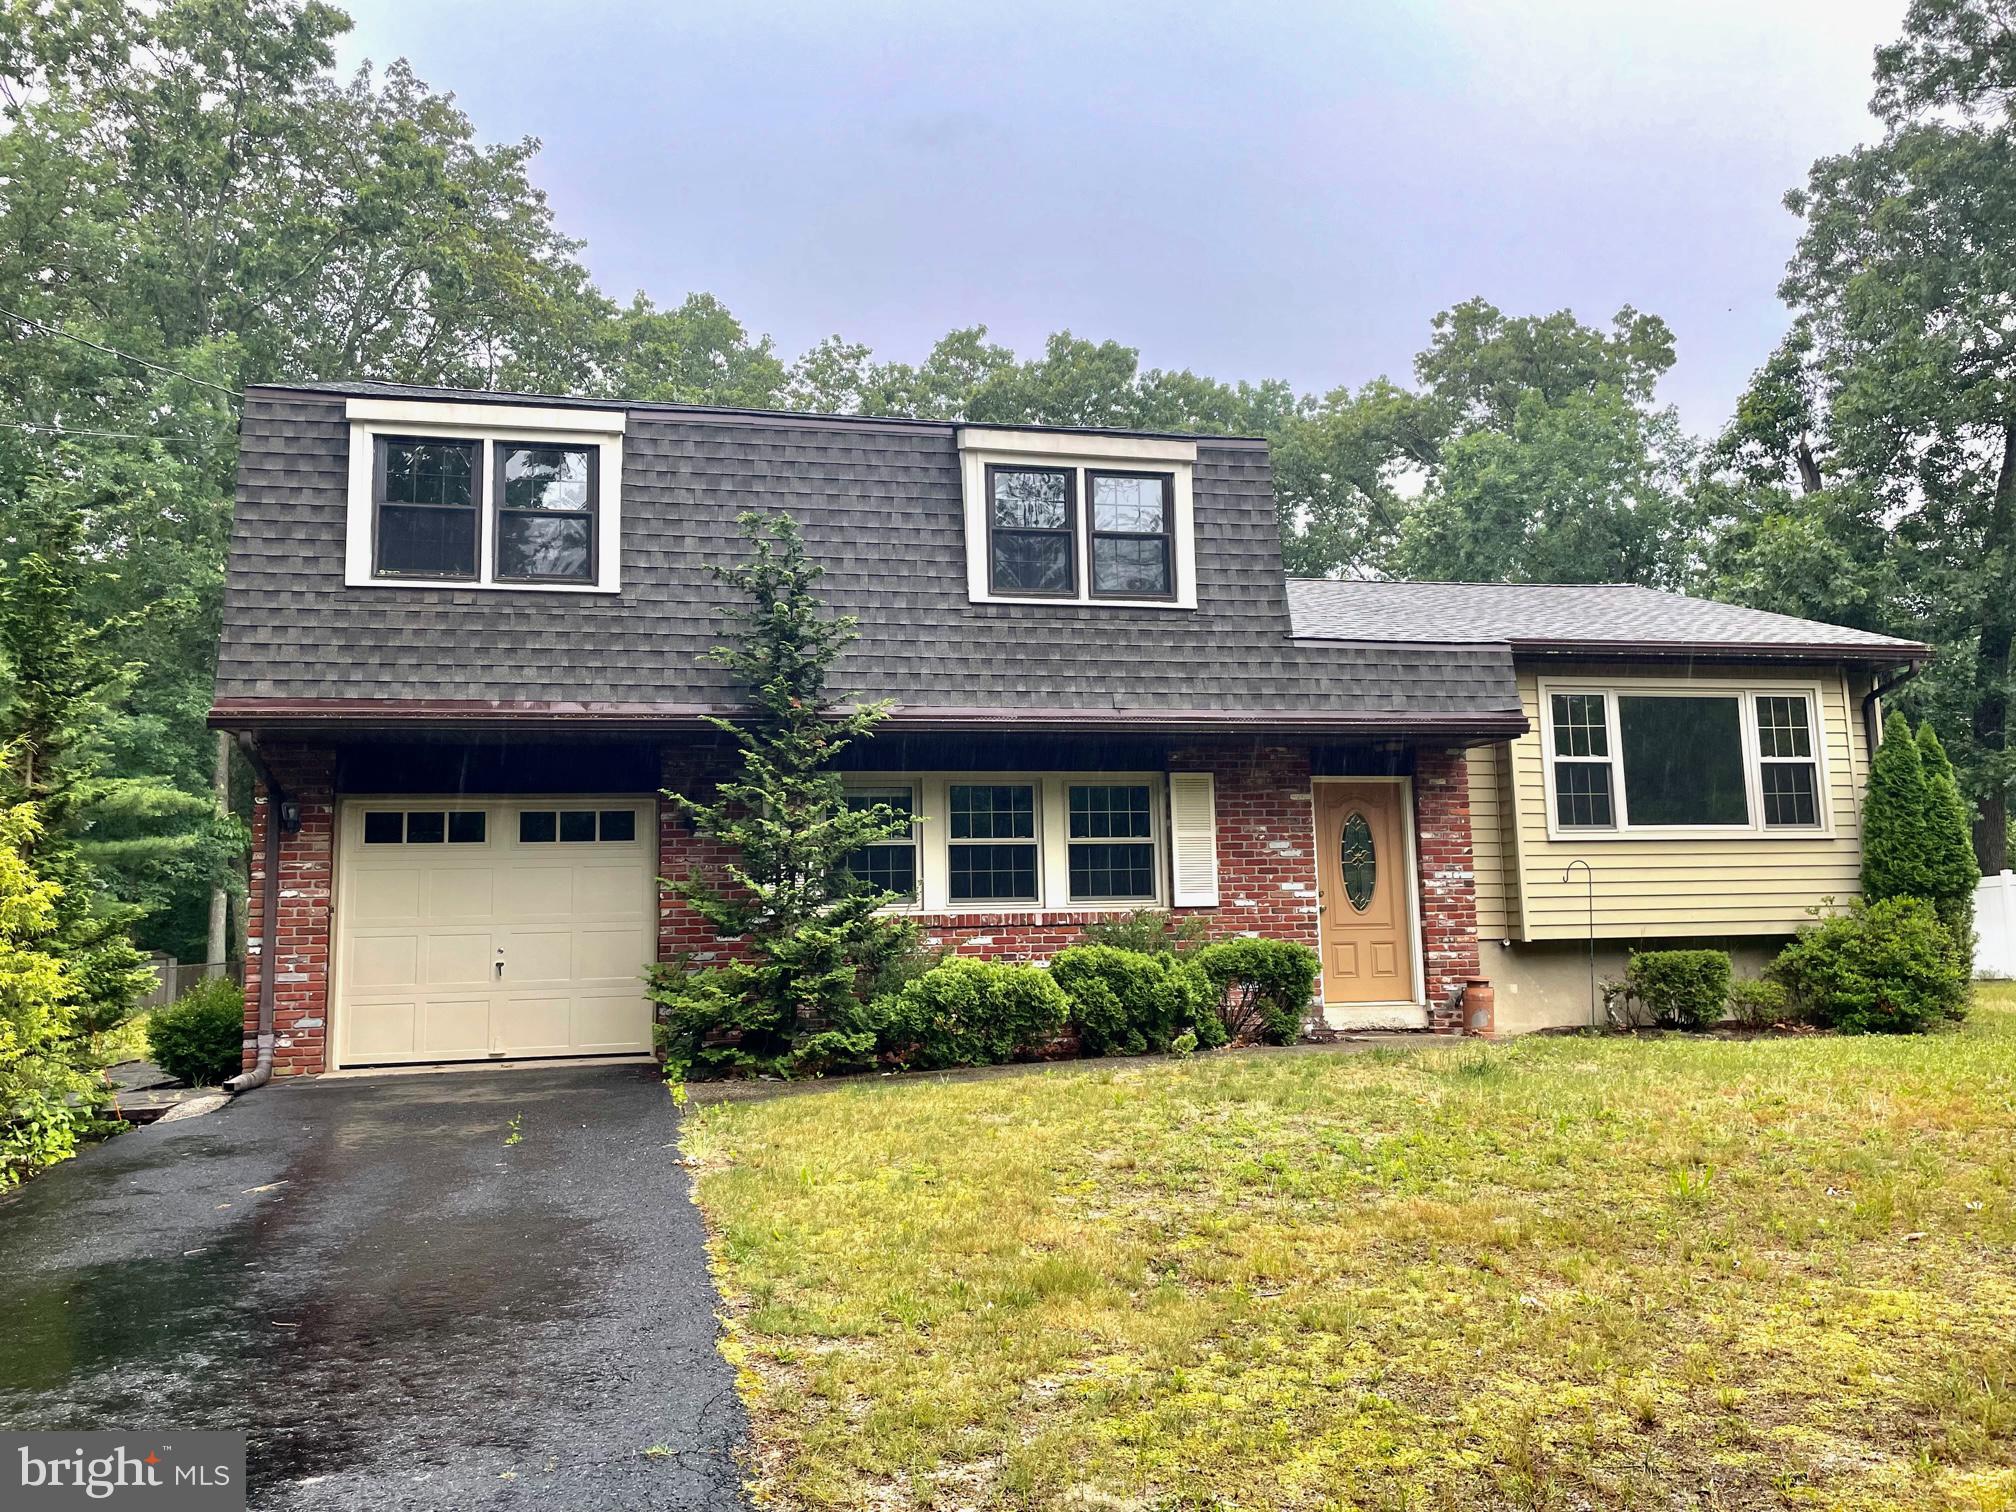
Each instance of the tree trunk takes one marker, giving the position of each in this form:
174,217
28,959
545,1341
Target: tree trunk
220,896
1810,480
1991,675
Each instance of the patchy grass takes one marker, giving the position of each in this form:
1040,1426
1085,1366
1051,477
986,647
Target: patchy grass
1554,1273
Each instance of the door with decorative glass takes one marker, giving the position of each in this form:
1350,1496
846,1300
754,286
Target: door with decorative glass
1364,892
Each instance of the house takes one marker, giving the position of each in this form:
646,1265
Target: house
463,649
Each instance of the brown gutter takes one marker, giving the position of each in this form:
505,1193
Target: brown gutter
1895,651
324,714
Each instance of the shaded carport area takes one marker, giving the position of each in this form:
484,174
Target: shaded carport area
403,1305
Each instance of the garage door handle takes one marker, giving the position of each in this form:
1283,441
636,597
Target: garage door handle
500,963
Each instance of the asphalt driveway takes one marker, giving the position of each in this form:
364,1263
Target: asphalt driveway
403,1309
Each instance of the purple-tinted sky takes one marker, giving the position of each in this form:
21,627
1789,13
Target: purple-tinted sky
1252,191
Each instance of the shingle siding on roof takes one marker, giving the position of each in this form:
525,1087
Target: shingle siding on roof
1596,613
880,506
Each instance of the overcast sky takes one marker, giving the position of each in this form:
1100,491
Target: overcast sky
1278,190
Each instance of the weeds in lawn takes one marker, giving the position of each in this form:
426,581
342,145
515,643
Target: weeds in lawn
1567,1272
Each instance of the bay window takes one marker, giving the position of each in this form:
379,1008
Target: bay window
1639,757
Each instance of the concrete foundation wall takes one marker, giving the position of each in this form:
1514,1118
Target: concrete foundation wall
1545,984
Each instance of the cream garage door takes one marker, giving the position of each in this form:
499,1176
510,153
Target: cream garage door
486,929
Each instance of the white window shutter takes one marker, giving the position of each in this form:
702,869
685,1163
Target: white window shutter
1193,839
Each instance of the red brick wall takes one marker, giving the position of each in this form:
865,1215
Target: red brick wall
307,869
1266,860
1448,881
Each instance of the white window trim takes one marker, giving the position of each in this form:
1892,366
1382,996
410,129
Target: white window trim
489,425
1746,695
932,805
981,447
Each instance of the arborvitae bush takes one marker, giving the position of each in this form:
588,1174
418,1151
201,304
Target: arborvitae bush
1897,845
1949,829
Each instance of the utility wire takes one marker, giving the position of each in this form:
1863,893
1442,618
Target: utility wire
64,430
123,356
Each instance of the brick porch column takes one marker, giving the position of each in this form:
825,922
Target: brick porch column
1448,881
307,869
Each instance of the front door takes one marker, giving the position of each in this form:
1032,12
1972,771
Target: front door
1364,892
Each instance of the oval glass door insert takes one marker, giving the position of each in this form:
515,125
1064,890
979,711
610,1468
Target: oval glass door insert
1361,862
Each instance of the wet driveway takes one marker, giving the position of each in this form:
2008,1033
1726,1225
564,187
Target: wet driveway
402,1308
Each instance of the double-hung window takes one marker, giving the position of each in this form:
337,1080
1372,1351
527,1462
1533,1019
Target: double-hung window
1638,758
1032,530
891,862
991,846
1111,837
1133,522
545,513
427,507
508,497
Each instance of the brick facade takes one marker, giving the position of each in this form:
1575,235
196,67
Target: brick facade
1266,881
1448,882
307,872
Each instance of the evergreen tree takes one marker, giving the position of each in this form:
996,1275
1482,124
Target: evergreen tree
810,931
1896,820
1949,823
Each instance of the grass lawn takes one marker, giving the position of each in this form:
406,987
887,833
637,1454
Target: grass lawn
1553,1273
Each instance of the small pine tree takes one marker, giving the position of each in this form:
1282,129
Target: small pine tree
1896,842
1949,833
812,935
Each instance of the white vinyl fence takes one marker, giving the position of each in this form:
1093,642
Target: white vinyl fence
1995,926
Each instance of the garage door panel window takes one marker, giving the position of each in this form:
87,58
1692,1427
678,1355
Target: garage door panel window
577,826
425,827
1637,759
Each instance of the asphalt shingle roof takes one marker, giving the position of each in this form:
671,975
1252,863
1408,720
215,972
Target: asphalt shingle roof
880,506
1566,616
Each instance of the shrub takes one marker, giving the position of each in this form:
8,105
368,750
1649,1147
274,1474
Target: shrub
1687,989
1896,840
1886,967
1757,1003
1262,987
1949,824
969,1013
200,1037
1150,932
1126,1003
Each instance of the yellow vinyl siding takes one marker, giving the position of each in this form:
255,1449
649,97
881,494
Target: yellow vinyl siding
1491,842
1652,886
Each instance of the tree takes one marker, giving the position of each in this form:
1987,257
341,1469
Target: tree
1893,401
813,939
1530,449
47,1097
1897,855
1954,872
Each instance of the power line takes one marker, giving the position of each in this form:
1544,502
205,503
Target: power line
64,430
123,356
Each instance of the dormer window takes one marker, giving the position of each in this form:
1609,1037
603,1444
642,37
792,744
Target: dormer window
1032,534
462,495
1132,522
546,514
428,521
1058,516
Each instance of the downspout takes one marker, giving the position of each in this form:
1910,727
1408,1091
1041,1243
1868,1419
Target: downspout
1872,726
269,914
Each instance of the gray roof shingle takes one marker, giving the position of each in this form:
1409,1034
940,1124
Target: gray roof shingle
1568,616
880,506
